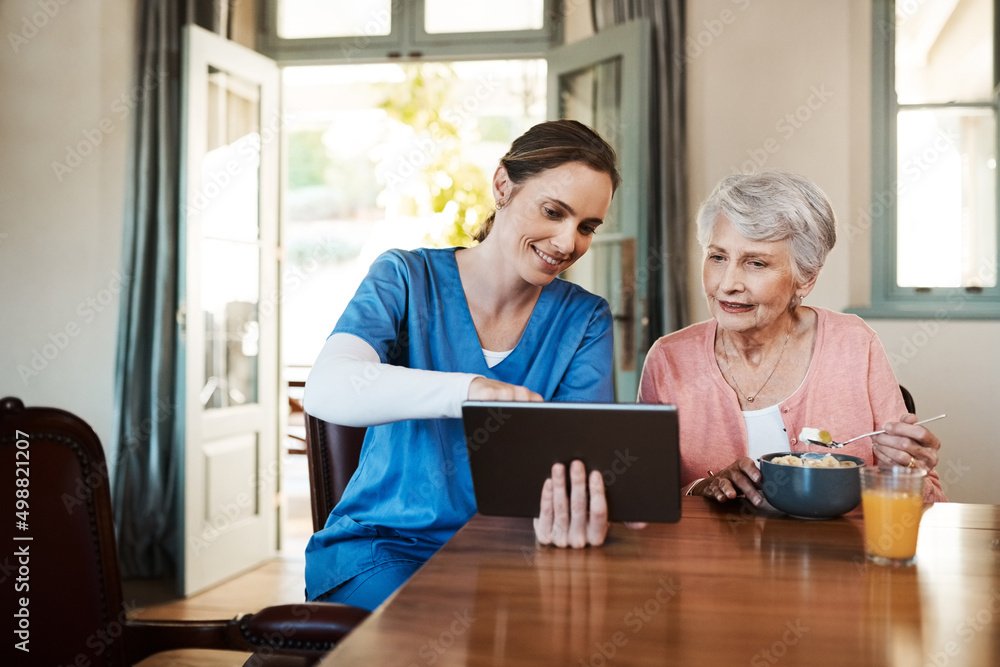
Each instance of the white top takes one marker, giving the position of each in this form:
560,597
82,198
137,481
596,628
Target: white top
765,431
494,358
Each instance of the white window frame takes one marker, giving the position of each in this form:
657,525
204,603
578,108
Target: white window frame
407,39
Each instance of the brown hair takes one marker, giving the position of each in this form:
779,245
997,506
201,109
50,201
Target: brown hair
549,145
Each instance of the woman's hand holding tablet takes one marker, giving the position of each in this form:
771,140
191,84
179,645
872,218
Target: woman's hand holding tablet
573,522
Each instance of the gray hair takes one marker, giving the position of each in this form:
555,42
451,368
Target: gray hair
775,205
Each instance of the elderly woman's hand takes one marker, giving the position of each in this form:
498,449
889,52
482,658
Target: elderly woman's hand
572,522
741,476
905,444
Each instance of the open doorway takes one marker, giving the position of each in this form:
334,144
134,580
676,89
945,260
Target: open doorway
379,156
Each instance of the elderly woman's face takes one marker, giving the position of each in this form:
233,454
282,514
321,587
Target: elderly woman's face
749,284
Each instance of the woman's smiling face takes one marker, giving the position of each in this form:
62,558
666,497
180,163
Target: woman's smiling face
749,284
548,221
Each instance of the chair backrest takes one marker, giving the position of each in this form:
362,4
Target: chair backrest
333,452
911,406
61,567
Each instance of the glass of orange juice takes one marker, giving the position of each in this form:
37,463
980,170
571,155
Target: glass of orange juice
892,500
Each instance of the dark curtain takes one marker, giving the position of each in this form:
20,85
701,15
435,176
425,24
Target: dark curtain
148,437
667,167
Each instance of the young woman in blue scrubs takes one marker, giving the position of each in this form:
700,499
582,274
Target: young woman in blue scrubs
431,328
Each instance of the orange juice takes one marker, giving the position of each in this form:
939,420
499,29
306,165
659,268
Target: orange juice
891,522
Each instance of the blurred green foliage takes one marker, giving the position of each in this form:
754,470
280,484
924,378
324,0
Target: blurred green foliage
307,159
457,187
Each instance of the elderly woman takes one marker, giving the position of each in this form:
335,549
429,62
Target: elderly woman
765,366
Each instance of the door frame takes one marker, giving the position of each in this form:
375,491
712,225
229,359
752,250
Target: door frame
220,543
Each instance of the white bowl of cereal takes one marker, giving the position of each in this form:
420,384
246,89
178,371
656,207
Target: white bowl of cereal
815,487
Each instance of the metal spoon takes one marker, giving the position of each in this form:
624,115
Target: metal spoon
833,444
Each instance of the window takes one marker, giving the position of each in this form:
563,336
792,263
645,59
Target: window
934,178
384,155
373,30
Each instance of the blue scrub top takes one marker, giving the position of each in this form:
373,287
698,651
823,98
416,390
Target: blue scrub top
413,490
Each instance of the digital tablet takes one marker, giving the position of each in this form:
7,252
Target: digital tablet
512,446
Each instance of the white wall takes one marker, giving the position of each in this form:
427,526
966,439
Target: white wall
62,74
751,65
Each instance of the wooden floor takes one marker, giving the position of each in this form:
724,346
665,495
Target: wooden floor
279,581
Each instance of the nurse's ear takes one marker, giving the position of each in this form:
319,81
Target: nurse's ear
503,187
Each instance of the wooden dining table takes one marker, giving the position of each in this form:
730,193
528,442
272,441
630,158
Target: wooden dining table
728,584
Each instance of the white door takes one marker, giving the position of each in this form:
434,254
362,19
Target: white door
603,81
231,124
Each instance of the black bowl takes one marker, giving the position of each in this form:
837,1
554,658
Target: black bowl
809,492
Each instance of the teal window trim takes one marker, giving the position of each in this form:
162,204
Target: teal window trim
408,40
888,300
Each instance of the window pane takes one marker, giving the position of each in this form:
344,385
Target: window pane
382,156
944,51
230,293
229,207
300,19
946,212
228,198
593,97
450,16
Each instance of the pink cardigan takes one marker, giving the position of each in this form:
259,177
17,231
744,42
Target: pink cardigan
849,389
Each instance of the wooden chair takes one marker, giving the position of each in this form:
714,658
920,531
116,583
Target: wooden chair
333,452
61,568
908,400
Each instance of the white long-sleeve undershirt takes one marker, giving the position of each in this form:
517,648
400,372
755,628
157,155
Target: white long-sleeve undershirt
349,385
